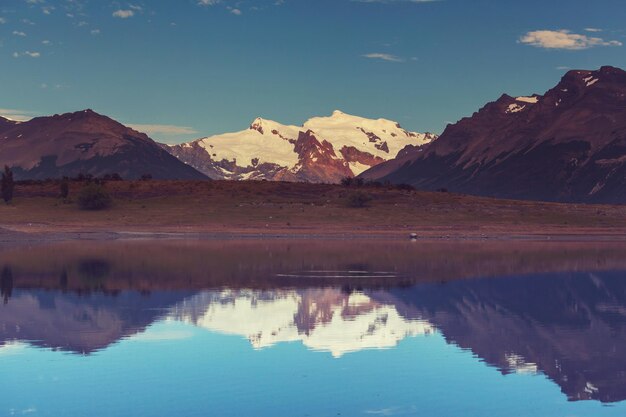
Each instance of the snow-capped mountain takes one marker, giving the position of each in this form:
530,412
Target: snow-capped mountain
324,149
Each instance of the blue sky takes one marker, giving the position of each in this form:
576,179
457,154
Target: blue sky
188,68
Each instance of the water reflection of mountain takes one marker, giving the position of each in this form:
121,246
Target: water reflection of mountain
328,320
80,323
572,327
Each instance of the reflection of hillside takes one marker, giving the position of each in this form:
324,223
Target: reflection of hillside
567,324
322,319
161,265
572,327
81,324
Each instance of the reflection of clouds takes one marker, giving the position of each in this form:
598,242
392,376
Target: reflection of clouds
161,335
323,320
519,365
393,411
29,410
12,348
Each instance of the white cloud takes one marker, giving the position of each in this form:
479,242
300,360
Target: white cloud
164,130
563,39
31,54
593,30
236,12
383,57
395,1
95,31
208,2
123,14
19,33
17,115
2,20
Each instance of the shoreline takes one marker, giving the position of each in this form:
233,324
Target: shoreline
17,234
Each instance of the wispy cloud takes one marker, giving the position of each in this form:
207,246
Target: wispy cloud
29,54
123,14
17,115
383,57
395,1
170,131
563,39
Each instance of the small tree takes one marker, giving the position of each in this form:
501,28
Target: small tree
7,185
94,197
65,188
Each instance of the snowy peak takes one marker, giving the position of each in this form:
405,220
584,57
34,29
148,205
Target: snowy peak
323,149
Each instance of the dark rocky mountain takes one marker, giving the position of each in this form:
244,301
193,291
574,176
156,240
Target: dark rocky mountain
81,323
567,145
84,142
569,326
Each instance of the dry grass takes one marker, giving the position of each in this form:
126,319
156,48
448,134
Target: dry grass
202,206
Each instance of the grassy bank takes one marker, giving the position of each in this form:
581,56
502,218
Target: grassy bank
288,208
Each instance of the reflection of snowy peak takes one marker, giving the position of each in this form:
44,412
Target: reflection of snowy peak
324,149
322,319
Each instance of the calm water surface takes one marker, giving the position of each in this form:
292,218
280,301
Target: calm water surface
297,328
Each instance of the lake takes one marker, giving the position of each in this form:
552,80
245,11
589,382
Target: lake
313,328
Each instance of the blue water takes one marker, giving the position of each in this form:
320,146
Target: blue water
542,344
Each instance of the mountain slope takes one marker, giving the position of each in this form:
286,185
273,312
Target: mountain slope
324,149
567,145
84,142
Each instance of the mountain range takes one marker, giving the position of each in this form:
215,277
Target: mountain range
566,145
323,149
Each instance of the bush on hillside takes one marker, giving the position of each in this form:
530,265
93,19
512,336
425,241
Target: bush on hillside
7,185
358,199
94,197
64,188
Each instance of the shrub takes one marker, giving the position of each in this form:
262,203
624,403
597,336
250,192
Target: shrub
7,185
94,197
64,188
405,187
352,182
358,199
